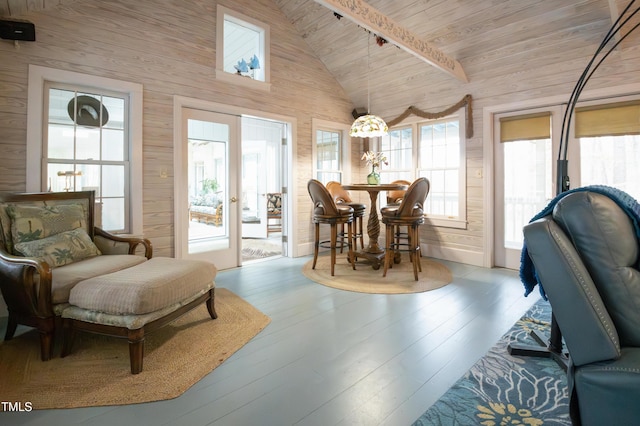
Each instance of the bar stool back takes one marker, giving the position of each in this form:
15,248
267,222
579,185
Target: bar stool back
342,196
409,213
394,198
326,211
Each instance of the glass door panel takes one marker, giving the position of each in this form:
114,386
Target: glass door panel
524,185
611,161
527,186
254,181
209,189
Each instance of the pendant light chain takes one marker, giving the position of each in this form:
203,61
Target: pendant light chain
368,126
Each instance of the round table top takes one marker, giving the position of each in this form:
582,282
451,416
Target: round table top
379,187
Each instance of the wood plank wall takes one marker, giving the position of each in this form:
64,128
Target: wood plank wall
512,50
169,48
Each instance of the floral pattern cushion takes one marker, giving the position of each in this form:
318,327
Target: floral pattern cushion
60,249
29,223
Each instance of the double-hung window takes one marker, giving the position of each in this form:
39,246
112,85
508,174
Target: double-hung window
86,147
397,146
439,155
434,149
330,152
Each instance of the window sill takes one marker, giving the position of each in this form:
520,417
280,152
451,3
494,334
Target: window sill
443,222
242,81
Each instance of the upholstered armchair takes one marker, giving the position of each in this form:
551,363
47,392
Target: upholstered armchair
49,244
586,257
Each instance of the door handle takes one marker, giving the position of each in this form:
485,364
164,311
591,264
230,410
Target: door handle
234,199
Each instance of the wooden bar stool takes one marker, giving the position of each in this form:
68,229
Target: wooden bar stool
325,210
394,198
342,196
409,213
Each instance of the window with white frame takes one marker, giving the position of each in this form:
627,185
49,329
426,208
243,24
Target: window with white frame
439,161
434,149
242,49
122,101
397,146
86,147
328,156
330,152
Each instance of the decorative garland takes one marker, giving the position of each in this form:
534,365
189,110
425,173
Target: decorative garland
466,102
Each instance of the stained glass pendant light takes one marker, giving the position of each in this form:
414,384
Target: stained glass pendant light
369,125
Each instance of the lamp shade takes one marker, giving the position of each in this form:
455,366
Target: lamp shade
368,126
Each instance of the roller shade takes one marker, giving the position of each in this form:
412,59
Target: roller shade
525,127
608,120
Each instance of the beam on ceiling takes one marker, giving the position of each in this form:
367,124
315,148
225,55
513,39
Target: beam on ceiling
375,21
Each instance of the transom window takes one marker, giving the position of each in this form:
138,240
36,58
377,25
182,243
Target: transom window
242,45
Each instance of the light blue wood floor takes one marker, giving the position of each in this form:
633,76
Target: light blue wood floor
331,357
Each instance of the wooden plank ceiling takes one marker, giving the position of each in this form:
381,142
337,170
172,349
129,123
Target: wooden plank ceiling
487,37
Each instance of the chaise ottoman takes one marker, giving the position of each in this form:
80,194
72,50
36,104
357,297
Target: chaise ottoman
138,300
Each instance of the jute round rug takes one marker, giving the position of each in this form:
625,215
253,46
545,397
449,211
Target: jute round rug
365,279
253,248
97,371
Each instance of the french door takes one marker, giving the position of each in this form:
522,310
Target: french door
208,195
525,161
603,149
254,184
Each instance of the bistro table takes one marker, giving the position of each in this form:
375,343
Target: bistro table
373,252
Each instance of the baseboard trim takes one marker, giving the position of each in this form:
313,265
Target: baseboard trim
436,252
453,255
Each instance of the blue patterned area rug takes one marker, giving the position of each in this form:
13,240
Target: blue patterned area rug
501,389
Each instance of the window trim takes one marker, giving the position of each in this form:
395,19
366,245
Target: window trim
220,73
38,75
329,126
460,221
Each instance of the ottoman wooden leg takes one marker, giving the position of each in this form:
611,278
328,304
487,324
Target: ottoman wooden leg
46,345
211,305
136,349
67,337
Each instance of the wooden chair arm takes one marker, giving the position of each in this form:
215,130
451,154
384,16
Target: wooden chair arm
133,242
26,284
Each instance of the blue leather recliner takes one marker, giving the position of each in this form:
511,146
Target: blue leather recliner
586,258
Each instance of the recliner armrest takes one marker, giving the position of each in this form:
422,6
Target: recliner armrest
586,326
